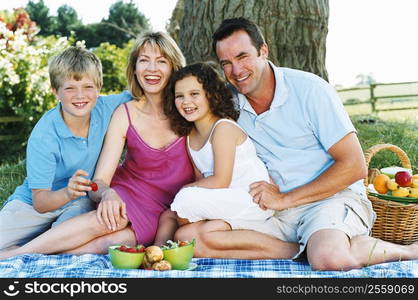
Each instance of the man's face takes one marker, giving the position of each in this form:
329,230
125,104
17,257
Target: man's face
242,65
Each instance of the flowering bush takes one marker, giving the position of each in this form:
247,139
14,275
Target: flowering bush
19,19
24,83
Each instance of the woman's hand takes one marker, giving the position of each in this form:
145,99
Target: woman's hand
111,210
78,186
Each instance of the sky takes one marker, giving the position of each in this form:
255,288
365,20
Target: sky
377,37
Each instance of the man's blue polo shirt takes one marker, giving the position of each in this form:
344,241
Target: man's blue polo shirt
292,138
53,153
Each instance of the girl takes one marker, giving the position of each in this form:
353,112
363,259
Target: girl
200,106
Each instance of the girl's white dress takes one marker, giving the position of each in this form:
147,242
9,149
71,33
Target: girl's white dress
233,204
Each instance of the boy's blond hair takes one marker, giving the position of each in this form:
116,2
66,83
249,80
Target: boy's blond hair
74,63
168,49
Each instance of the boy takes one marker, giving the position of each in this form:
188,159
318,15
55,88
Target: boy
62,150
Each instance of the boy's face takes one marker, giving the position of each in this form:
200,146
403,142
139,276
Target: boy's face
243,66
78,97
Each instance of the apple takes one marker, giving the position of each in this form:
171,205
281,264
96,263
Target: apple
403,178
391,171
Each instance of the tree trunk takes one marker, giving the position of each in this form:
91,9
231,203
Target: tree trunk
295,30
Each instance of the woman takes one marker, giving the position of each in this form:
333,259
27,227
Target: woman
133,195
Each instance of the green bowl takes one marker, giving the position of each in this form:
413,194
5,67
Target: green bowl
179,257
125,260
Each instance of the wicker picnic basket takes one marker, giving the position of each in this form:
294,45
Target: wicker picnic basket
396,222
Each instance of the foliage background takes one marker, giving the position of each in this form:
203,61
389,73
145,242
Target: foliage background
123,23
24,83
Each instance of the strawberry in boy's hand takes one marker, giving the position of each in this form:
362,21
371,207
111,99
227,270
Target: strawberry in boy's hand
94,187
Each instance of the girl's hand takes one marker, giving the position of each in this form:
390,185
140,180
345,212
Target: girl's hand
111,210
78,185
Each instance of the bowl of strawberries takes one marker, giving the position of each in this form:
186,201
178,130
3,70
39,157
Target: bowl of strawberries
126,257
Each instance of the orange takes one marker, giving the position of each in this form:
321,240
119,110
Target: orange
380,183
415,176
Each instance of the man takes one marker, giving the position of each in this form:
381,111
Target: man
309,145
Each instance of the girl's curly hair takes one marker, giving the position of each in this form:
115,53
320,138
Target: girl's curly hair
217,93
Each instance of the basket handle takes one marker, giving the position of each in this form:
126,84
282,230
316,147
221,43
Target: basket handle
406,163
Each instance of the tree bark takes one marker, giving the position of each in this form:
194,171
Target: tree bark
295,30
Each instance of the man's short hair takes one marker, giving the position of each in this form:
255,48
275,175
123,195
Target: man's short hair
74,63
229,26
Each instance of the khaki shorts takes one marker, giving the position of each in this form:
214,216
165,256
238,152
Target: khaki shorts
346,211
20,222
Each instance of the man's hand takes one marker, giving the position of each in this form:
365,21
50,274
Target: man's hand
111,210
267,195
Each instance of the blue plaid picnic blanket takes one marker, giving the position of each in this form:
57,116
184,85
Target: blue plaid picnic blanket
99,266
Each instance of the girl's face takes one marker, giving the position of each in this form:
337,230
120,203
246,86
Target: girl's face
152,70
191,100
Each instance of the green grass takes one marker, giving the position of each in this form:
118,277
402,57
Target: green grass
374,130
11,175
397,127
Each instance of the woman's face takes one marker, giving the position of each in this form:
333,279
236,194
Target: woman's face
152,70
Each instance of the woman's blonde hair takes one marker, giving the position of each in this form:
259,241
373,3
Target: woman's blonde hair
75,62
168,49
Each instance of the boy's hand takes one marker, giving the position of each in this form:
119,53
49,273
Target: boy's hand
111,210
78,185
